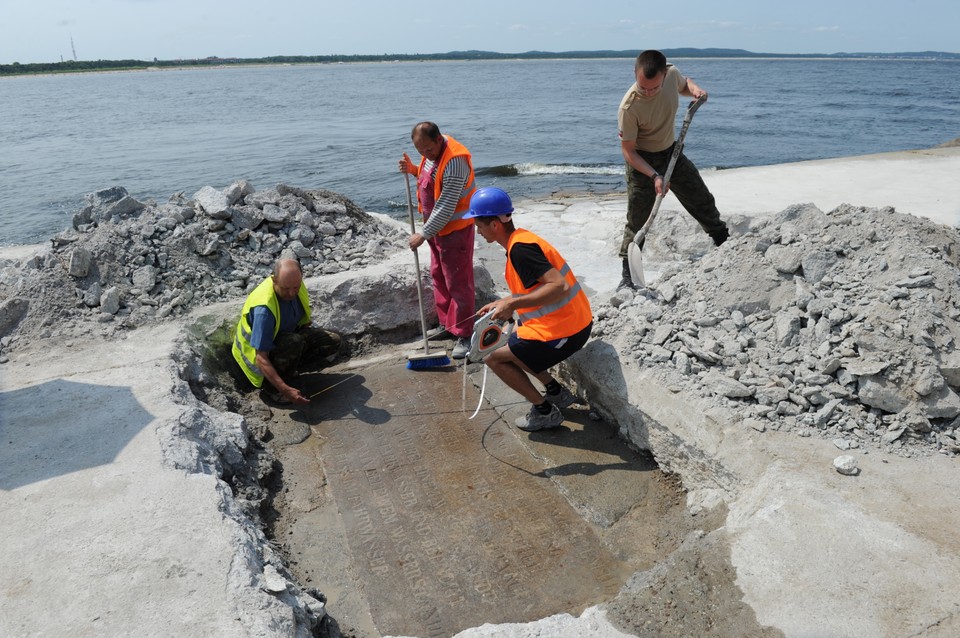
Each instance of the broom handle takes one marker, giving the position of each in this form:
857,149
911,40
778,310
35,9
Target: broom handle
416,263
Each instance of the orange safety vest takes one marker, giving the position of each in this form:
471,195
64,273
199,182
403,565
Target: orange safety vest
563,318
453,149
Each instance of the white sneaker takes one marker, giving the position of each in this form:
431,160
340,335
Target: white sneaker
562,399
461,348
535,421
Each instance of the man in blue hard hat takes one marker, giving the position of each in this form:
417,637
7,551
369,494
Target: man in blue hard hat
553,314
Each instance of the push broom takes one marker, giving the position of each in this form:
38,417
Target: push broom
426,359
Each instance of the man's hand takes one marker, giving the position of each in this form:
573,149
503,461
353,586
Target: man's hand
270,374
660,186
293,395
503,309
694,91
416,240
406,165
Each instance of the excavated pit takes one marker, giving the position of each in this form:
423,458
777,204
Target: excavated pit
412,519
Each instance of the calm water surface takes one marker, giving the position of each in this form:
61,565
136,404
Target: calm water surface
534,127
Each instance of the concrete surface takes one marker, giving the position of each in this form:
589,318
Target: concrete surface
451,522
99,538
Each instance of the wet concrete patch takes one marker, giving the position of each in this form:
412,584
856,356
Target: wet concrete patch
419,521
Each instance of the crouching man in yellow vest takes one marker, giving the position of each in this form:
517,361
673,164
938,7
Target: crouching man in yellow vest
274,333
554,319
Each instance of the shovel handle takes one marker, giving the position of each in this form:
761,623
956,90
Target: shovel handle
677,149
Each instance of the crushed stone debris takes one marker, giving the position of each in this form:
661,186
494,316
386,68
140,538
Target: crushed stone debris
125,263
842,325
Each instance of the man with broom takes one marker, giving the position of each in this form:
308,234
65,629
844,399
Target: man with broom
445,182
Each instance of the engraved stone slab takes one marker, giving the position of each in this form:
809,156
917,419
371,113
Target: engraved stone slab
450,522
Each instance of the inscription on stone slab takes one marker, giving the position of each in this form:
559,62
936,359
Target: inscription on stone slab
450,522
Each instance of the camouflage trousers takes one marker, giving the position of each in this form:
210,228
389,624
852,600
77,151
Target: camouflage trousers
685,183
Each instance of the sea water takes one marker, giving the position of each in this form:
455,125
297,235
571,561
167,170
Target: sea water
534,127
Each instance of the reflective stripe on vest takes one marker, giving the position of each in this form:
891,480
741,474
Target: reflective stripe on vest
246,363
526,315
562,318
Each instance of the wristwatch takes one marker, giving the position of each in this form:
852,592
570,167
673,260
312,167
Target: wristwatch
654,176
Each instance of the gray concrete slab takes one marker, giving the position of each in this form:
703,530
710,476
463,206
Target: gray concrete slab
447,522
99,539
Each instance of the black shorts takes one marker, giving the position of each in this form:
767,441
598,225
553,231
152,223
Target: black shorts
541,355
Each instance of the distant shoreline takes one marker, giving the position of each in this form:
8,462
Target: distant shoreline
100,66
250,65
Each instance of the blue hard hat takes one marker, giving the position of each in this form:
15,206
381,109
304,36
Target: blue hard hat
489,201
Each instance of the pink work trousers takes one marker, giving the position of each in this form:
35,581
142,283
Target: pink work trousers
451,267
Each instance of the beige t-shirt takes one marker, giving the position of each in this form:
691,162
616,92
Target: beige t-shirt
650,119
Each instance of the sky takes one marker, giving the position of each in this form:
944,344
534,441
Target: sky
41,30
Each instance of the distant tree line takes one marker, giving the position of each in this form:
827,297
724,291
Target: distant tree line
74,66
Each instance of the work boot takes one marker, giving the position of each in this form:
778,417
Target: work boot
535,421
720,237
626,281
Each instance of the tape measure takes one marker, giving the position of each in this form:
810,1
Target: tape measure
488,335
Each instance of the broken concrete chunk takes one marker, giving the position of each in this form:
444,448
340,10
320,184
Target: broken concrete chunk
725,386
892,435
785,259
273,582
145,277
865,367
915,282
110,301
213,202
846,465
80,262
11,312
817,264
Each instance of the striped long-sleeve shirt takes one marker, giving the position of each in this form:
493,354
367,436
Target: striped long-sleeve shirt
454,178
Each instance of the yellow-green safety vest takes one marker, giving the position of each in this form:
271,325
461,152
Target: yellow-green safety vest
262,295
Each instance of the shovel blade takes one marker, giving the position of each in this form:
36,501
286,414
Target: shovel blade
635,260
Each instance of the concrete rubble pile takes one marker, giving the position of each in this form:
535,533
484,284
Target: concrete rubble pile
127,262
842,325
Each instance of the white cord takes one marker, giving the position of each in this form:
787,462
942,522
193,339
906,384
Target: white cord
483,387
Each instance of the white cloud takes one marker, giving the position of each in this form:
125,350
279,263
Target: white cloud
519,27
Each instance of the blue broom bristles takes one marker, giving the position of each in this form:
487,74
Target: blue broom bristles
423,363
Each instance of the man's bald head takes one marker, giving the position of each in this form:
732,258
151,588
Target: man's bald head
287,277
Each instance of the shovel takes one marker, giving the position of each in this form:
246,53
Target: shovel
634,256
